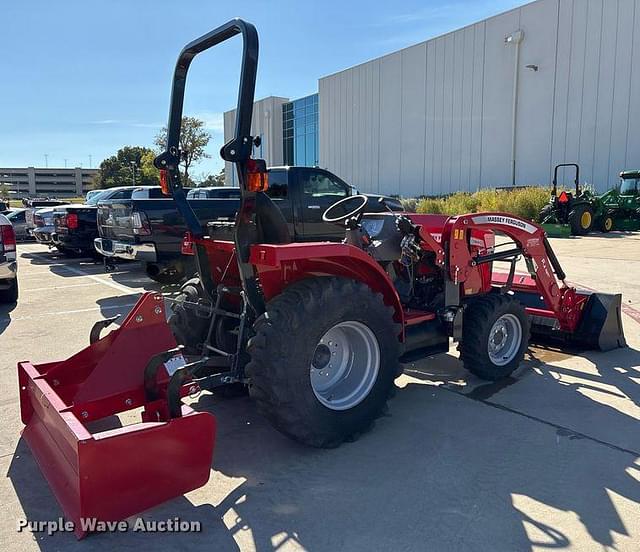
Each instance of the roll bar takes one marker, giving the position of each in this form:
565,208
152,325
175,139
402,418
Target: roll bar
555,177
236,151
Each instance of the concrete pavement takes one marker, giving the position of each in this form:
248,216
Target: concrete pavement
549,459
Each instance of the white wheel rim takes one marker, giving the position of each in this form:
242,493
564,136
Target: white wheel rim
505,338
345,365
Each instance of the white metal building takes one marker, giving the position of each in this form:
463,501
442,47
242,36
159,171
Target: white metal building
495,103
266,123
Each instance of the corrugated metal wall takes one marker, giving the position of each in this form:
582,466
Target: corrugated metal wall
437,117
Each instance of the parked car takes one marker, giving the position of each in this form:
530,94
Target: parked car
43,226
8,262
75,226
33,204
92,193
17,217
214,192
152,230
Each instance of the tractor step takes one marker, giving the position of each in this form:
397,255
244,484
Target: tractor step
112,474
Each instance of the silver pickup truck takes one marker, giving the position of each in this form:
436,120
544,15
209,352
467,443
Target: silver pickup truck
8,262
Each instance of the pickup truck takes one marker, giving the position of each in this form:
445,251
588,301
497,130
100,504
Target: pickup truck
8,263
152,230
75,225
214,192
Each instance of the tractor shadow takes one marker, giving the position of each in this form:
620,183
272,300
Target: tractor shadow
453,464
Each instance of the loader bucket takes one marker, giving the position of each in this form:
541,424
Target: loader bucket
111,474
601,324
557,230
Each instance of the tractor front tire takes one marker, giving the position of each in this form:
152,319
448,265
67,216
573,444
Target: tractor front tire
606,223
495,336
581,220
323,360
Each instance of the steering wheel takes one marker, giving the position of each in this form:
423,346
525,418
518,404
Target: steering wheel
339,206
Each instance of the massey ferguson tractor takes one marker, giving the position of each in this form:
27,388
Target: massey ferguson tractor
316,332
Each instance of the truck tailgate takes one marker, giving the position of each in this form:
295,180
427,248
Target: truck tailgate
121,219
114,219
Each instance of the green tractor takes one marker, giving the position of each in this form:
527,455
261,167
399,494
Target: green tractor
620,206
570,213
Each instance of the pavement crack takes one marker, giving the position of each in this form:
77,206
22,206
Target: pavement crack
567,430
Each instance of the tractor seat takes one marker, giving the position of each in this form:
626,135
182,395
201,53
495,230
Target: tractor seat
271,226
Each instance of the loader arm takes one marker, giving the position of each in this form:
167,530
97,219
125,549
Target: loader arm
530,242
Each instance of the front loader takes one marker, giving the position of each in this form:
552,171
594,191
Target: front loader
315,331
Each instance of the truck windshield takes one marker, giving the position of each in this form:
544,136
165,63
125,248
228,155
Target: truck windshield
628,186
93,200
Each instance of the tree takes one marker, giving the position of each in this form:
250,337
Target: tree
212,180
130,164
193,141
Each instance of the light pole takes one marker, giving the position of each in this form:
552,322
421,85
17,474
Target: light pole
46,160
133,171
514,39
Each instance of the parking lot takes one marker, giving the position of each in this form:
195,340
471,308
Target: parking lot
547,459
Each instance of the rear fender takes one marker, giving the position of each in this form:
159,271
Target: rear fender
279,266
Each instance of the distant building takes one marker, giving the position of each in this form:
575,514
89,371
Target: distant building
51,182
499,102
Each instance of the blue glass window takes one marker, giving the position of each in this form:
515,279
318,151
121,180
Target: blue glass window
300,131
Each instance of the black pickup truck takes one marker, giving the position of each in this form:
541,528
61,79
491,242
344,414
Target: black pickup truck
151,230
75,225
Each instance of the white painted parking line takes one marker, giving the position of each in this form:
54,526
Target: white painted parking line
75,311
59,287
79,272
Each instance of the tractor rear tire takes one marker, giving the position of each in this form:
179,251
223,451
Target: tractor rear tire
546,213
581,220
310,325
188,328
495,336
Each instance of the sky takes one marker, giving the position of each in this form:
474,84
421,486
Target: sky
82,78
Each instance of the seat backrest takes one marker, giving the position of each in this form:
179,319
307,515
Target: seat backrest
272,226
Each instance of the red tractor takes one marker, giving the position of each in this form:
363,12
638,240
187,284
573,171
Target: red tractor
315,331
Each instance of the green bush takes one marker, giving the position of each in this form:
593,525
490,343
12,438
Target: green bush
524,202
409,204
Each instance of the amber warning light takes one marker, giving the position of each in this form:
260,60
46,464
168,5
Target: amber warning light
257,176
164,182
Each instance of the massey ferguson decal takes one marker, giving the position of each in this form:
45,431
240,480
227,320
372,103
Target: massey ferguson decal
505,221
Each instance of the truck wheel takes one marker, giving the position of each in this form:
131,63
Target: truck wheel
581,220
323,360
164,277
606,223
495,336
10,295
188,328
